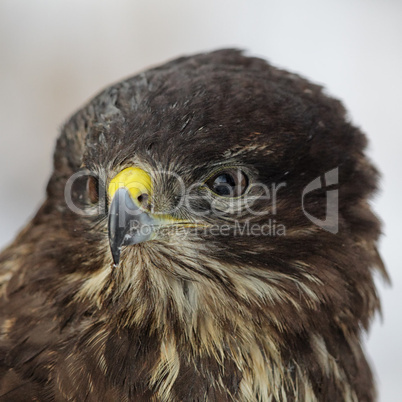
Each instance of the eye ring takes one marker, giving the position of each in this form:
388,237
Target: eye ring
228,183
93,189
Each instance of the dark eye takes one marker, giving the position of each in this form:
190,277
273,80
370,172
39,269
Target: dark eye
229,183
93,189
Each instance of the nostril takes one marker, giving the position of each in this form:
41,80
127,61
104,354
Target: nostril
143,200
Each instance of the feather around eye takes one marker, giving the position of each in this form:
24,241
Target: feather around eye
228,183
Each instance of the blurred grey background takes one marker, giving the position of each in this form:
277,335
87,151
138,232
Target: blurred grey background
55,55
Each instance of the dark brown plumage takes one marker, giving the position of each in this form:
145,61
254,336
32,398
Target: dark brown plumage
191,314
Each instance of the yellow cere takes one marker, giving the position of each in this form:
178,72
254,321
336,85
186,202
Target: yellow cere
134,179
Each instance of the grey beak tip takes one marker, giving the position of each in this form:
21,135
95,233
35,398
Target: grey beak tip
116,257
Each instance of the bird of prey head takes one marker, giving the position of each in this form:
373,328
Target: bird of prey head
206,236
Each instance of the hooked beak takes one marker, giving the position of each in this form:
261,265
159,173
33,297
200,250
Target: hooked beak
129,219
128,223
